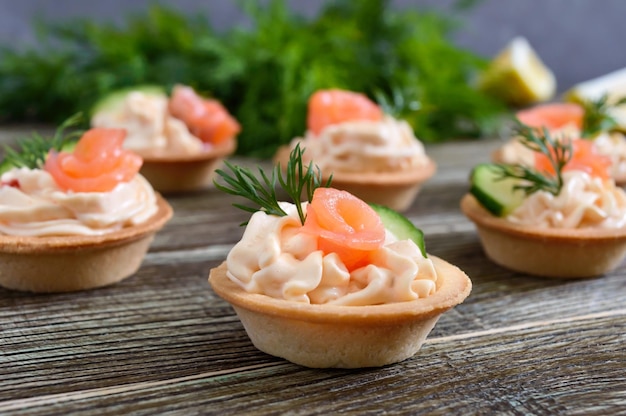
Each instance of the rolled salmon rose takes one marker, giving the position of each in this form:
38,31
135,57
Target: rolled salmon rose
207,119
553,116
344,225
328,107
97,164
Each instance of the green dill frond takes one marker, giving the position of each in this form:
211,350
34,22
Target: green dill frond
297,180
558,151
597,116
31,152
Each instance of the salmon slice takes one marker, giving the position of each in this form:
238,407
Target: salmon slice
206,119
328,107
344,225
97,164
584,158
552,116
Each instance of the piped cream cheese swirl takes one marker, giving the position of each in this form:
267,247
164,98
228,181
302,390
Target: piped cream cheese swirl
613,145
388,145
584,202
275,259
150,128
36,206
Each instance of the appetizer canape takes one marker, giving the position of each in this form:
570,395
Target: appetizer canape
332,281
74,220
561,216
591,120
182,138
368,153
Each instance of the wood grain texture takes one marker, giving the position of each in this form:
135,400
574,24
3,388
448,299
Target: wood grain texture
161,342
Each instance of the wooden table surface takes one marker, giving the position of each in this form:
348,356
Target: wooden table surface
161,342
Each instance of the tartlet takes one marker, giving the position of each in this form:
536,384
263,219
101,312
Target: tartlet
73,263
368,153
322,336
332,281
182,138
75,220
562,217
558,253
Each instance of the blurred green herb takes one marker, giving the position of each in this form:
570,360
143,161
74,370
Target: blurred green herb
31,152
265,74
597,116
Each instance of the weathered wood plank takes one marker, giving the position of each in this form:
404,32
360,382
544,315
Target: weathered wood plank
166,314
162,342
447,377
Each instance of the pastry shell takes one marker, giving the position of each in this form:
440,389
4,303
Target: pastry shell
73,263
396,190
323,336
184,173
548,252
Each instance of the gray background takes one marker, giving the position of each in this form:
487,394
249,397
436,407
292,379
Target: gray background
577,39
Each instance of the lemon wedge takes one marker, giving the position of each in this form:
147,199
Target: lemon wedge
517,75
612,84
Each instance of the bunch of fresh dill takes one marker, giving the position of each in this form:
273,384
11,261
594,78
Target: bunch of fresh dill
263,74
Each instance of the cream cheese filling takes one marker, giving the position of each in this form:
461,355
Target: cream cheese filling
149,126
388,145
38,207
275,259
584,202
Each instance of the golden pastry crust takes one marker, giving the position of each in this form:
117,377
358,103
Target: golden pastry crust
322,336
549,252
72,263
183,173
397,190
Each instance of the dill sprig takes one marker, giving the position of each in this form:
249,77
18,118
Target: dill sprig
558,151
31,152
298,180
597,116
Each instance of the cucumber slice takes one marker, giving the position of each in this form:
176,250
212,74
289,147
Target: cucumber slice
69,146
496,195
400,226
113,100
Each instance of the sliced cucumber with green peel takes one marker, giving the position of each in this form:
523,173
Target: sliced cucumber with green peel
113,100
400,226
495,194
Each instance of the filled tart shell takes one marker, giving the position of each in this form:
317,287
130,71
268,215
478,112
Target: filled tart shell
542,251
322,336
